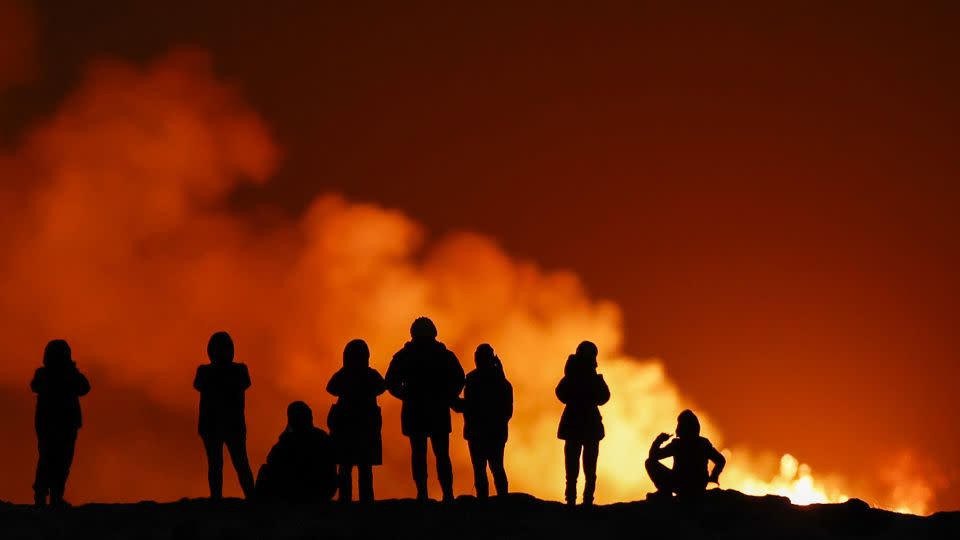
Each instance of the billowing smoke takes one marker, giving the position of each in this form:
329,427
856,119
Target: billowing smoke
119,236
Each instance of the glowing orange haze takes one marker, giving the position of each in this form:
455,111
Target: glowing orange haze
119,237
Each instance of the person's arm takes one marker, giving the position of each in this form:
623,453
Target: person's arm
244,377
508,400
457,377
335,385
199,381
563,391
39,383
656,452
378,385
82,387
394,379
603,391
719,462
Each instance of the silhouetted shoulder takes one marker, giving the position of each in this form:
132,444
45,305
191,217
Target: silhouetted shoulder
202,378
705,444
243,375
39,381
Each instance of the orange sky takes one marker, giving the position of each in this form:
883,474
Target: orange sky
767,193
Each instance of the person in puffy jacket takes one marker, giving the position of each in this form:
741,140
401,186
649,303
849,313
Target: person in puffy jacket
487,407
59,386
582,390
301,467
427,378
222,384
355,420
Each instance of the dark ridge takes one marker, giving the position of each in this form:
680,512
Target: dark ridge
723,513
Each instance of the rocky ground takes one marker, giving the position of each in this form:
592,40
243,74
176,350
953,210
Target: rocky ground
723,514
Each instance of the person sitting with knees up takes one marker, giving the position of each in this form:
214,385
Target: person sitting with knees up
301,467
690,452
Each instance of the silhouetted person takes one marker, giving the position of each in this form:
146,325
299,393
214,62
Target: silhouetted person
301,467
355,420
582,390
487,407
690,453
427,377
58,385
222,384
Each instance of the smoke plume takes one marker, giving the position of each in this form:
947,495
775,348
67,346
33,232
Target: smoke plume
119,236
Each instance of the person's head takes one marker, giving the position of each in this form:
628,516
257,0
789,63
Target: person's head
356,354
577,366
485,358
688,426
220,348
587,351
57,354
299,416
423,329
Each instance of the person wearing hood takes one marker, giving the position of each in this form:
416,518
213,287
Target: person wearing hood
690,452
487,407
59,386
355,420
427,378
582,390
301,467
222,384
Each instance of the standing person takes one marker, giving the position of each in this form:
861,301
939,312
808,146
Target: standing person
222,384
428,378
58,385
690,452
582,390
355,420
487,407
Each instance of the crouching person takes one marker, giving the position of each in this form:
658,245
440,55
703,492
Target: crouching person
690,452
301,466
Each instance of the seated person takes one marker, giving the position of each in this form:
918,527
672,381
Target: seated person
301,467
690,453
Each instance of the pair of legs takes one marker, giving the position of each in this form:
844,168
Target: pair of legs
418,461
482,454
667,482
572,451
364,482
237,447
55,450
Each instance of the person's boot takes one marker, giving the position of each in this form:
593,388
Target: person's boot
56,499
500,484
40,498
589,488
571,494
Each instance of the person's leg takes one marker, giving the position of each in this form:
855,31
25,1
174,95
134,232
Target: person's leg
571,458
213,446
41,480
660,475
365,482
345,482
441,451
63,457
418,463
237,446
495,455
591,450
479,461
